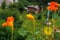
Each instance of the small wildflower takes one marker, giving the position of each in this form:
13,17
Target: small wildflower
48,30
30,16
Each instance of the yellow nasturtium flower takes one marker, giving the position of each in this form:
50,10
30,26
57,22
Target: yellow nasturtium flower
30,16
48,30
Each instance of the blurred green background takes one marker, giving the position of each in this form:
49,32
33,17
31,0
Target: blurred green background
23,28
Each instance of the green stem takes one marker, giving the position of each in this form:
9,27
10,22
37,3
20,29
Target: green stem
34,26
47,37
48,15
12,35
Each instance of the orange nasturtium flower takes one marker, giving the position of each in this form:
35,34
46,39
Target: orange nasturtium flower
30,16
53,6
9,22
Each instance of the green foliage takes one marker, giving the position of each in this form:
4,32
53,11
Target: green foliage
30,38
39,17
57,36
23,31
4,13
4,5
24,28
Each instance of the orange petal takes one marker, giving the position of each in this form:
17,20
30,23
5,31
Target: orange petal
10,19
4,24
9,24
